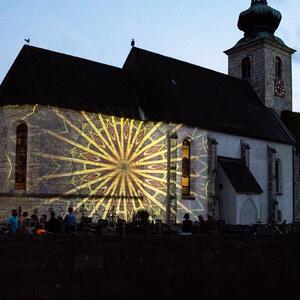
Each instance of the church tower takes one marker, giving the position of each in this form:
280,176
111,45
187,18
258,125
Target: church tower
262,58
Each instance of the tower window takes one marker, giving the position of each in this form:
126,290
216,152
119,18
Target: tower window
21,157
246,67
186,167
278,67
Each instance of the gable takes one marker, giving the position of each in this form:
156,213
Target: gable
176,91
41,76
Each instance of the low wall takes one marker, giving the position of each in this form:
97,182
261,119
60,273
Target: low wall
150,267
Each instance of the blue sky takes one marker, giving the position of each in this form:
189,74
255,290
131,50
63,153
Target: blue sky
197,31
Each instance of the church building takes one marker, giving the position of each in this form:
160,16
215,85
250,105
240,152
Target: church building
158,134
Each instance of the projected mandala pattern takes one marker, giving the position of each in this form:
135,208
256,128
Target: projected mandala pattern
115,162
99,162
199,176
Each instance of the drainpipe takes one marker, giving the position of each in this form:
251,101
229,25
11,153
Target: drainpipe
168,198
294,153
170,136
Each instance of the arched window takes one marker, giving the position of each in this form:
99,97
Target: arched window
186,167
278,67
246,67
278,176
21,157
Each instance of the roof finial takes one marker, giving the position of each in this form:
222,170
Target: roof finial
132,43
259,1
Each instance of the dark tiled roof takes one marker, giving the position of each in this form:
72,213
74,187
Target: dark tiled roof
292,121
240,176
46,77
167,89
176,91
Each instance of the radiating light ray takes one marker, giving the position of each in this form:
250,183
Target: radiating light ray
131,186
111,190
145,138
137,132
159,179
88,184
86,137
70,159
128,157
186,209
131,193
98,133
149,157
112,145
74,173
154,171
122,146
129,138
9,169
80,146
137,181
118,137
147,163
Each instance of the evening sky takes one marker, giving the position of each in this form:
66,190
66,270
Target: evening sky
196,31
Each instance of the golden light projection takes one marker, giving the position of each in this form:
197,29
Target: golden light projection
114,164
199,181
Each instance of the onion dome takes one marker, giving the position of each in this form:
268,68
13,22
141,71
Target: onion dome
260,20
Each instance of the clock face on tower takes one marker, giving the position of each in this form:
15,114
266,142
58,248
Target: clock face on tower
279,88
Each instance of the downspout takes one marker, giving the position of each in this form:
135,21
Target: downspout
294,153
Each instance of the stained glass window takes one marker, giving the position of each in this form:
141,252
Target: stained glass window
186,168
21,157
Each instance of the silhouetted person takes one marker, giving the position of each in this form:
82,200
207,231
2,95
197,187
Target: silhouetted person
200,224
210,224
43,221
13,222
187,224
34,218
70,221
25,223
53,223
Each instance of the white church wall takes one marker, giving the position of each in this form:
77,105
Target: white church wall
285,202
230,146
227,198
248,209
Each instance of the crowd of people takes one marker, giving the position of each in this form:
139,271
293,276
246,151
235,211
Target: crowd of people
199,226
22,223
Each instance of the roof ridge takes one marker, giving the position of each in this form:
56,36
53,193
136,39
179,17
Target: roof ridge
70,56
189,63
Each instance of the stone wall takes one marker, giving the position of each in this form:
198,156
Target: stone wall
262,55
150,267
97,164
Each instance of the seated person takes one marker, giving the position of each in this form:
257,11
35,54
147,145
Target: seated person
187,224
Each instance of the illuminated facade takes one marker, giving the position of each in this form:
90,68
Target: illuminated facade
157,134
102,163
